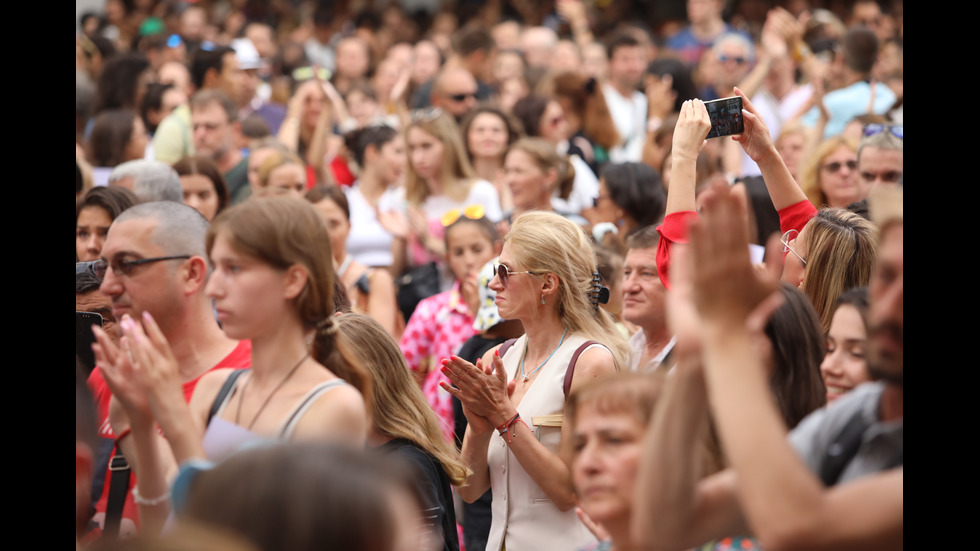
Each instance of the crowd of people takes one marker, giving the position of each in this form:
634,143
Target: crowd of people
423,276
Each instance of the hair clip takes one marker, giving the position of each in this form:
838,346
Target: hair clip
599,293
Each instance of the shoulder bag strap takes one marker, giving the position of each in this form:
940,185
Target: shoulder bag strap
571,364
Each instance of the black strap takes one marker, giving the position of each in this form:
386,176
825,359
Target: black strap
223,393
118,487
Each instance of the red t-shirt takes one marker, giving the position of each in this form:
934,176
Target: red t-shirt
239,358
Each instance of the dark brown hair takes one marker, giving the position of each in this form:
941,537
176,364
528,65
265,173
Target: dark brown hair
111,131
586,100
205,167
302,497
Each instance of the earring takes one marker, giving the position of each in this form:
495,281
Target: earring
542,299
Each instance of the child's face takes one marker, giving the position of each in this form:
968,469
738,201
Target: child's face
467,249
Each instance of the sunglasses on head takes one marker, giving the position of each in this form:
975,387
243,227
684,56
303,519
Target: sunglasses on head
894,130
836,166
428,114
472,212
504,273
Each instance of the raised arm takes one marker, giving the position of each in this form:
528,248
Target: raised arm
693,125
757,143
785,504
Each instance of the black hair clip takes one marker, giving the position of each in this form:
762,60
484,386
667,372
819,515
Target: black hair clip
590,86
599,293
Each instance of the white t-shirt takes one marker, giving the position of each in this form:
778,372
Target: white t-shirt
630,117
435,207
584,189
369,243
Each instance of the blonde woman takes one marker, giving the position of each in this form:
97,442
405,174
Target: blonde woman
545,279
439,179
830,177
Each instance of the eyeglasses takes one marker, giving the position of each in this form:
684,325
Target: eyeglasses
472,212
504,273
126,267
835,166
462,97
785,239
894,129
737,59
426,115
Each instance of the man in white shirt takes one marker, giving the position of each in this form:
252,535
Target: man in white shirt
628,106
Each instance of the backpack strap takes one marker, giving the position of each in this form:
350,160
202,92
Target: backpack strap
223,394
118,488
571,364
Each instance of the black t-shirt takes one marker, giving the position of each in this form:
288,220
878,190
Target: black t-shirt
434,486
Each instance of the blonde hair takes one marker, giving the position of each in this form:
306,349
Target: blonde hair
399,409
284,232
275,160
841,250
457,173
810,177
547,242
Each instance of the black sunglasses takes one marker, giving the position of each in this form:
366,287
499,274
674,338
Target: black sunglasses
836,165
462,97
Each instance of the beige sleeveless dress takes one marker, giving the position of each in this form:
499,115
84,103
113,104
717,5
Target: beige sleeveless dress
524,519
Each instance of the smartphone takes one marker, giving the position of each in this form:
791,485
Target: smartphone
84,338
726,116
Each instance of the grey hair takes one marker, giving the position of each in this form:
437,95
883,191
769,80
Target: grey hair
152,180
735,38
881,140
180,229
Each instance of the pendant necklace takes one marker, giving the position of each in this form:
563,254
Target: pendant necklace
241,399
536,369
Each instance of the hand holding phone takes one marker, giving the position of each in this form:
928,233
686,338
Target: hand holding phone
726,116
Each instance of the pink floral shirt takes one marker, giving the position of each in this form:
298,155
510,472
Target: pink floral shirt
438,328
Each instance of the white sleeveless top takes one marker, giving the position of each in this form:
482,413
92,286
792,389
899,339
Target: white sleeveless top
524,518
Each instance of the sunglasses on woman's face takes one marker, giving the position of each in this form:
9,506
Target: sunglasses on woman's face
835,166
504,273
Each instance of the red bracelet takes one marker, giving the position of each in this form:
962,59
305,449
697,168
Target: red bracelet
508,423
506,428
122,435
